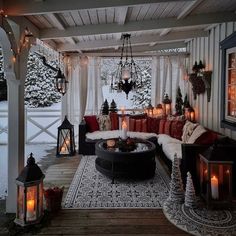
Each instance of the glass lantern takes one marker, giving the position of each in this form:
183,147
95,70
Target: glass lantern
215,177
61,83
191,114
29,194
159,110
150,110
65,139
166,105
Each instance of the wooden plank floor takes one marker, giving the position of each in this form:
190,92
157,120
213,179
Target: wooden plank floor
60,171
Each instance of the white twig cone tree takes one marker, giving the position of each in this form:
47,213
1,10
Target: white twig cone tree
176,193
190,196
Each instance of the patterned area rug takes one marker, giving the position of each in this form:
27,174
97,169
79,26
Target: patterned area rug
201,221
91,189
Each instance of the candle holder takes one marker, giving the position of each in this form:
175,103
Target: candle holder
215,177
29,194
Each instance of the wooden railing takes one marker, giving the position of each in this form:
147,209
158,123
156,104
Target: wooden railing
41,125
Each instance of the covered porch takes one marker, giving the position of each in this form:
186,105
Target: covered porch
169,32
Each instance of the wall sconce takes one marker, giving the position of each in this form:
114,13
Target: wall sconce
166,105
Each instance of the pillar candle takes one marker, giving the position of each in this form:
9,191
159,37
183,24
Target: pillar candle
30,208
214,188
124,130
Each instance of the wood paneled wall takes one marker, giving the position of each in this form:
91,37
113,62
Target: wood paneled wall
208,50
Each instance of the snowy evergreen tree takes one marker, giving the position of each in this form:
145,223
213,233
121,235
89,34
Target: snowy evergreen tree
179,103
186,104
176,193
113,107
190,196
105,108
39,84
143,91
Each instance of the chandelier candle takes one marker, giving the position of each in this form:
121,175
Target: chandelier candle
124,130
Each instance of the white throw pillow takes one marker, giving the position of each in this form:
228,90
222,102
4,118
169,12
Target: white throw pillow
198,131
188,130
104,122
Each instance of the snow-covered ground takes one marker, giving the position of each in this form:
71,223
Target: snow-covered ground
39,152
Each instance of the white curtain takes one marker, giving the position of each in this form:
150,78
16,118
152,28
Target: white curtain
167,74
77,91
94,88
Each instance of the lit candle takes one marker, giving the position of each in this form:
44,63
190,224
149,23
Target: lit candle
122,110
63,149
124,130
30,208
214,188
167,109
67,142
192,116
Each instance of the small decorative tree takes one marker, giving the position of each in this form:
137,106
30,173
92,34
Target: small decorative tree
179,102
190,196
186,104
176,193
113,107
105,108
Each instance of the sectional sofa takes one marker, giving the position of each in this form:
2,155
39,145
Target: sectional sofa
172,136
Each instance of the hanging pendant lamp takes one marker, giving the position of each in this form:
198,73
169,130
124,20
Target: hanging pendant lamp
128,74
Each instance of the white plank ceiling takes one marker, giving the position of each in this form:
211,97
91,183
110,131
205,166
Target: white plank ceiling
97,25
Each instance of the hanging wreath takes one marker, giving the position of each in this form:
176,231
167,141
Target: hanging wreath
198,85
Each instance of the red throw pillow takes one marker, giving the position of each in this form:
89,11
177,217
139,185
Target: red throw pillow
153,125
167,127
207,138
138,125
144,125
162,126
177,129
131,124
114,121
92,123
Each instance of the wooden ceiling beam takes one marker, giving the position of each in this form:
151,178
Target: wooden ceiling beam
138,40
193,20
22,7
189,9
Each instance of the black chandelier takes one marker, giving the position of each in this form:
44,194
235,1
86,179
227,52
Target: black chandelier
128,74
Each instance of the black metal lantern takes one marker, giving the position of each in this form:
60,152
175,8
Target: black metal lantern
166,105
29,194
128,75
150,110
61,83
65,139
216,176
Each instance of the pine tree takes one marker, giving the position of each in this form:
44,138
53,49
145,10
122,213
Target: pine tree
113,107
179,103
190,196
39,84
105,108
186,104
143,91
3,82
176,193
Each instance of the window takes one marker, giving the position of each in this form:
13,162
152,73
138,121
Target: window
228,107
